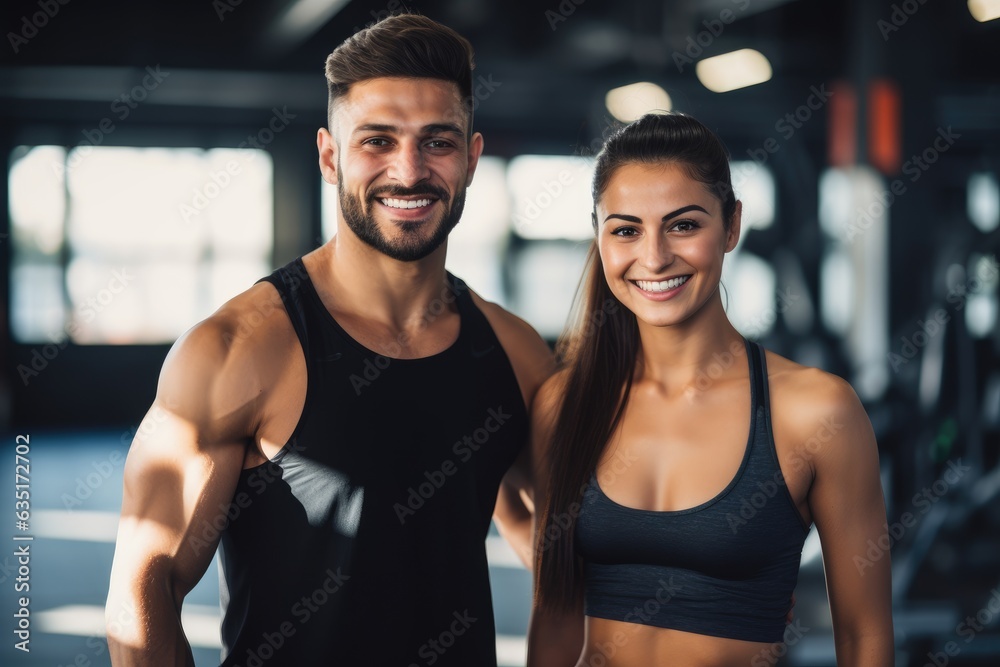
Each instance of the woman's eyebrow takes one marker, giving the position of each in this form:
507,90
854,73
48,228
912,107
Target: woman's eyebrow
668,216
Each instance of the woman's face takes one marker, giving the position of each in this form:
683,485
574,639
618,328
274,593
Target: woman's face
661,237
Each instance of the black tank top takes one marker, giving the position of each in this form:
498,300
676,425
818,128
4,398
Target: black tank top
362,542
726,568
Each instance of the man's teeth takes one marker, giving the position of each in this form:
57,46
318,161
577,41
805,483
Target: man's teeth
406,203
661,285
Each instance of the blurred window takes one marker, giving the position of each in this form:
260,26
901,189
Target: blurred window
122,245
983,201
551,196
754,186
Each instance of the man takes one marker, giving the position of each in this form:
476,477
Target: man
344,426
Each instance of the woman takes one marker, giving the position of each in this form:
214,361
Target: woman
669,536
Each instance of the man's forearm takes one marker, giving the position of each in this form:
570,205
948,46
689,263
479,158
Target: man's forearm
518,535
513,519
146,631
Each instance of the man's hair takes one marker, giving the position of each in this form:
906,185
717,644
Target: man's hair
403,45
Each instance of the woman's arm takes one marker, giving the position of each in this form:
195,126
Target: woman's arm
849,511
555,639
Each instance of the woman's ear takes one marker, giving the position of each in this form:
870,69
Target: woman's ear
733,234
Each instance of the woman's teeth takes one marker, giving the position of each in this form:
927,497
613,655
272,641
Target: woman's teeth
405,203
661,285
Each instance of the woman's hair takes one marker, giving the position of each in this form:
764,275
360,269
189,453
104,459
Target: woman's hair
600,347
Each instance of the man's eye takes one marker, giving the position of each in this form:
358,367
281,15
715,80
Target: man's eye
439,143
377,142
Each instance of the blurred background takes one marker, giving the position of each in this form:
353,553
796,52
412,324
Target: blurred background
160,157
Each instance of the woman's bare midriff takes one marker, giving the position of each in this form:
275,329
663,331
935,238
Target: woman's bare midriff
618,644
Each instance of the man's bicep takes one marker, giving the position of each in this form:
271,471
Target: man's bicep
183,467
178,482
175,484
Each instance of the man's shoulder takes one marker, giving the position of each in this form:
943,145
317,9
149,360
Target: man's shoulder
529,354
510,323
253,318
513,331
245,330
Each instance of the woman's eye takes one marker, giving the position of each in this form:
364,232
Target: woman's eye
686,226
626,232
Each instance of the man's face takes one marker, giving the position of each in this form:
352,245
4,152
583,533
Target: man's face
401,160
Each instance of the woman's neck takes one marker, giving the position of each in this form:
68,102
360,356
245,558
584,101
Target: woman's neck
704,347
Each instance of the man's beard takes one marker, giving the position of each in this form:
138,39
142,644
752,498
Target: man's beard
411,246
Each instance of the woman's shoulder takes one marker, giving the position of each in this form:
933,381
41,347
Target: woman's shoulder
806,383
805,399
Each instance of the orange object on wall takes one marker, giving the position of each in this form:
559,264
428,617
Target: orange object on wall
884,136
842,134
884,149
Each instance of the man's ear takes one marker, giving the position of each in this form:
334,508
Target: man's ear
475,152
733,235
327,147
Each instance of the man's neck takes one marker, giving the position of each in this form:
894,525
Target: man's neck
399,295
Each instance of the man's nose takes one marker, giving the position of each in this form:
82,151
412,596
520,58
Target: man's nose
409,165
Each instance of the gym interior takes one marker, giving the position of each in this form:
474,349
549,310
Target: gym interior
160,157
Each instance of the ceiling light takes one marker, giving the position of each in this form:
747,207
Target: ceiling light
628,103
984,10
734,70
